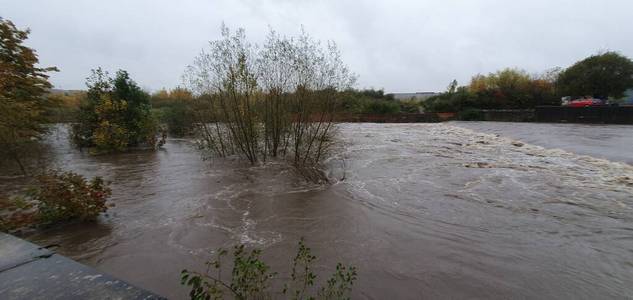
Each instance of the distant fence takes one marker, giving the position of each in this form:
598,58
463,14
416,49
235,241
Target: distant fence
508,115
546,114
592,114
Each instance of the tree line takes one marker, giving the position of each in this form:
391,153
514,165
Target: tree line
605,76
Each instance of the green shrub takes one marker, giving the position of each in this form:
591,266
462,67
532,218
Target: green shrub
250,278
362,101
110,135
409,106
179,119
382,107
115,115
453,100
63,196
175,108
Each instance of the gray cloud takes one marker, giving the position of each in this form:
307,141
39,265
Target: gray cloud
396,45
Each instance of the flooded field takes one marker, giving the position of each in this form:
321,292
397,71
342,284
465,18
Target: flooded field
422,210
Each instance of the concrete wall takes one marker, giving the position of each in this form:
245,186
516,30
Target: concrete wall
28,271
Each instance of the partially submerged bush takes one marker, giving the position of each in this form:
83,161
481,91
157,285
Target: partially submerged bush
110,135
250,278
115,115
278,100
57,197
63,196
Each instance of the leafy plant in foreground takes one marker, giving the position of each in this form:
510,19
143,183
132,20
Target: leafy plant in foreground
57,197
250,278
66,196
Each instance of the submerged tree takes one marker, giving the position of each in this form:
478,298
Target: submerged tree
22,90
275,101
116,115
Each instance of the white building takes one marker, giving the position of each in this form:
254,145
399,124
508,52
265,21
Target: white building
415,96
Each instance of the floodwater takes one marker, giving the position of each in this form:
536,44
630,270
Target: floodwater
612,142
422,210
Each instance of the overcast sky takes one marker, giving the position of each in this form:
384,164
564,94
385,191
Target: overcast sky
401,46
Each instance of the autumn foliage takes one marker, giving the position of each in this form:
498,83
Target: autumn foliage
54,198
63,196
115,116
22,90
505,89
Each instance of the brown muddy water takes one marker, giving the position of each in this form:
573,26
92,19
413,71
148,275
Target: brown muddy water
422,210
612,142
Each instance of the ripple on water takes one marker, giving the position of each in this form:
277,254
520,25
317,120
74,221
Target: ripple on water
420,209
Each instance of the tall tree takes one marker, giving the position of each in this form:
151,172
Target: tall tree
604,75
22,89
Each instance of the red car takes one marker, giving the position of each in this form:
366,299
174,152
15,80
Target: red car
585,102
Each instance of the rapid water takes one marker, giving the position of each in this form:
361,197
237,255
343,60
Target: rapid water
422,210
612,142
